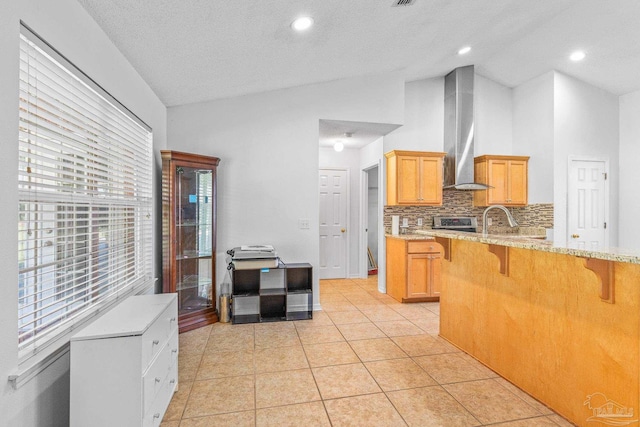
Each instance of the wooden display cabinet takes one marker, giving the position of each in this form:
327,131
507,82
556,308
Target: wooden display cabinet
189,235
508,177
413,269
414,178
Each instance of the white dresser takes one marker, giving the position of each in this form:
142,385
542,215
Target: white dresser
124,366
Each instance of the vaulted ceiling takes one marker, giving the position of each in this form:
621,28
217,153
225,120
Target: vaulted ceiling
197,50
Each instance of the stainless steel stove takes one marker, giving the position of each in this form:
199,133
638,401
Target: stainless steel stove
457,223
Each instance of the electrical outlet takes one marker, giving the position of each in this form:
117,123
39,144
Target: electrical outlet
419,222
303,224
489,221
405,222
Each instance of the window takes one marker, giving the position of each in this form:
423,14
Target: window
85,187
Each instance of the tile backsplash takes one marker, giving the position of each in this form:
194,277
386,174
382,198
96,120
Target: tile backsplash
460,203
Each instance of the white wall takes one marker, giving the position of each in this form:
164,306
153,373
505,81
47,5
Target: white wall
44,401
423,118
372,154
629,178
493,117
268,146
586,124
349,160
423,128
533,125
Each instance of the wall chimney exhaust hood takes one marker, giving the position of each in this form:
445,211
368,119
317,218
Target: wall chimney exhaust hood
458,130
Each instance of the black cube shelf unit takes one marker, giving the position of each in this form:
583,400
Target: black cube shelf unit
272,294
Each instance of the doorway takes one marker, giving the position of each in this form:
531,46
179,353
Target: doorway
587,204
334,209
371,220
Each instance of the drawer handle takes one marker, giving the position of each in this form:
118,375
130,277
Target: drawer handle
156,342
158,379
156,415
175,350
173,319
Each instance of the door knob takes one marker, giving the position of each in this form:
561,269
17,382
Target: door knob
575,236
342,230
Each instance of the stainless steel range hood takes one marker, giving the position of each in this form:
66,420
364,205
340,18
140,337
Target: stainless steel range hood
458,130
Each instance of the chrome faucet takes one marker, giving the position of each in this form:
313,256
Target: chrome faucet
510,218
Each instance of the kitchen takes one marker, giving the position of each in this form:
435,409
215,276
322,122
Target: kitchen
461,203
502,299
540,211
514,122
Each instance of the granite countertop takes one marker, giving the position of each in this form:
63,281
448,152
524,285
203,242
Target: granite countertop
410,236
523,242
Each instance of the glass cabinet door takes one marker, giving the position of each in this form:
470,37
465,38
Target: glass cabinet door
194,238
189,235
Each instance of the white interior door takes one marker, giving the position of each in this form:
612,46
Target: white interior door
587,201
333,224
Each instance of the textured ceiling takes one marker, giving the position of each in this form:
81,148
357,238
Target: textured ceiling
197,50
361,133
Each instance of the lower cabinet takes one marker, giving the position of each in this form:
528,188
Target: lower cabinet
413,269
423,275
124,366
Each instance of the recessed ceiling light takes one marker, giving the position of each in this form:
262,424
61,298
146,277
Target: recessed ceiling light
464,50
302,23
578,55
338,146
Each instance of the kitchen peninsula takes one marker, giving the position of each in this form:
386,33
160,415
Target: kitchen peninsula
562,324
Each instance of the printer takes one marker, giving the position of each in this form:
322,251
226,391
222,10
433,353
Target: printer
252,257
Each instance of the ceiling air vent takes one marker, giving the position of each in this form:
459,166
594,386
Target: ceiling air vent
397,3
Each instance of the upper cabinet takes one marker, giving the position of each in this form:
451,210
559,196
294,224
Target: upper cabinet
508,177
414,178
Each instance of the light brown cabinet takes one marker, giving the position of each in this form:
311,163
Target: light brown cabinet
414,178
508,177
413,269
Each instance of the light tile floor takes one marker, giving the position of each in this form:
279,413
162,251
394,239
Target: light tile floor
366,360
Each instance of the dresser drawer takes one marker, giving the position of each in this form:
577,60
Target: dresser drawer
155,377
153,417
155,338
420,247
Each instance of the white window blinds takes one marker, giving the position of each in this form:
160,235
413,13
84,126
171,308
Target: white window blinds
85,187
